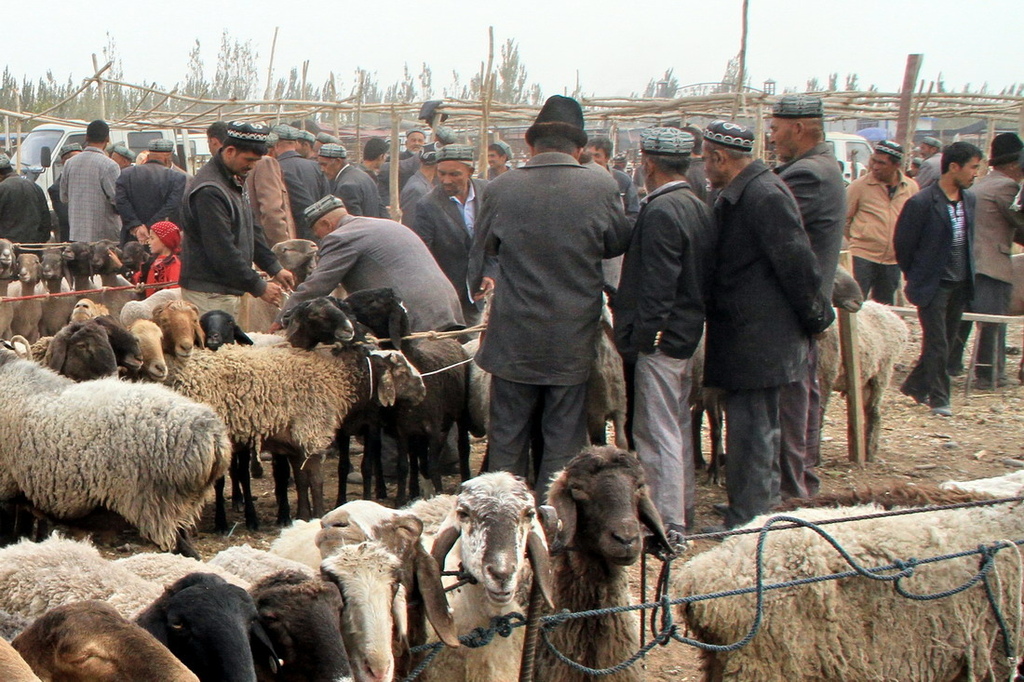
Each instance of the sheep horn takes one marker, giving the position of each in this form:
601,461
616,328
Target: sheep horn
444,542
650,517
540,562
428,581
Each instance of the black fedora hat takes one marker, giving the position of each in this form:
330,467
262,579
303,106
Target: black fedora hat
560,116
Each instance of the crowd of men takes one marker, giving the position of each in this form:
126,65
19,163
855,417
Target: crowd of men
722,250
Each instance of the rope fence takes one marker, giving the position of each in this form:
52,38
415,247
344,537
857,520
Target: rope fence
81,292
666,630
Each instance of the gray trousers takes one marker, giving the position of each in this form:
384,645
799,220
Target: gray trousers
563,423
662,434
752,440
991,297
800,420
206,301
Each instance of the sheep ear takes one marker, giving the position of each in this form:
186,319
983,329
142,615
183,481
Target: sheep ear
560,498
261,646
428,583
387,394
198,335
241,337
540,562
650,517
57,352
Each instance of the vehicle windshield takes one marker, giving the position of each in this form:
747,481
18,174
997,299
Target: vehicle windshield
32,146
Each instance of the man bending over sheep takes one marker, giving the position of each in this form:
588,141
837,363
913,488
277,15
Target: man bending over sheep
360,253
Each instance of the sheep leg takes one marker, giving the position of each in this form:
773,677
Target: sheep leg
696,434
7,515
872,416
716,419
373,464
402,470
418,452
308,474
341,444
220,515
282,476
432,467
240,473
256,467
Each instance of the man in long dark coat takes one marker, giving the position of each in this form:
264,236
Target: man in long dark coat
812,174
305,181
540,238
764,303
150,192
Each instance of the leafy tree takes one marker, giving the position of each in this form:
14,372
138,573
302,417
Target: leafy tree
236,76
195,79
666,86
851,81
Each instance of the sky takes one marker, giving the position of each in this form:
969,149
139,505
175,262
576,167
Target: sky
614,47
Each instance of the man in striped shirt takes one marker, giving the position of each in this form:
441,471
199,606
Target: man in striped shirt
933,248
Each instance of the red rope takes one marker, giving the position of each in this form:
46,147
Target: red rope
136,287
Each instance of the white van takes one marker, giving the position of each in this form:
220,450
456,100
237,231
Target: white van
853,153
40,147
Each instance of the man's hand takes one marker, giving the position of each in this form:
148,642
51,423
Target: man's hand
273,294
115,261
486,287
276,327
286,279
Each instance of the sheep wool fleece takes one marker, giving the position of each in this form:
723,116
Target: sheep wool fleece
141,451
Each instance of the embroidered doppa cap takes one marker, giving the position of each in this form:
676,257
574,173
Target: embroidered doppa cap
333,151
891,148
161,144
285,132
731,135
666,142
5,161
327,138
799,106
444,135
321,208
306,136
506,151
248,132
932,142
457,152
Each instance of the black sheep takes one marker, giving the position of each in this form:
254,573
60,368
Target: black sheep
325,319
220,328
383,312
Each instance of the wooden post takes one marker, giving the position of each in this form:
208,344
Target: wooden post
17,152
396,209
359,117
990,132
268,93
848,340
1020,121
488,93
99,87
7,134
759,131
904,133
742,71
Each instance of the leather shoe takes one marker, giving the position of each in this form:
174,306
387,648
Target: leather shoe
721,508
942,411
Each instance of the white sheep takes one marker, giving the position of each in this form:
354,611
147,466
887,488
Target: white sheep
166,569
140,451
882,335
857,628
35,577
492,529
253,564
143,310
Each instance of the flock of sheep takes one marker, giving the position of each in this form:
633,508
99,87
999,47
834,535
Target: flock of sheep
143,410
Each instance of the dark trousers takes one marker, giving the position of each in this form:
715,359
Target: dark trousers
940,323
800,421
991,297
563,423
753,441
876,279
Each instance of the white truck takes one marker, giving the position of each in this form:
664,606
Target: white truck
853,153
39,149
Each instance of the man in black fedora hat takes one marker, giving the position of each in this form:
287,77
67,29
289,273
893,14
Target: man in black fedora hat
542,233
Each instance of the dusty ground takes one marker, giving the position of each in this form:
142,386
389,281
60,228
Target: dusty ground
985,437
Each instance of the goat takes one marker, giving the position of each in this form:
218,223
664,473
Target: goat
109,273
56,309
298,256
86,309
324,319
28,313
220,328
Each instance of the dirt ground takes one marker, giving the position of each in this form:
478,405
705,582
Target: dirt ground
985,437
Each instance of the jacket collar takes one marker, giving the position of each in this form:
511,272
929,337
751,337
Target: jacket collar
819,149
233,180
552,159
901,182
665,189
734,190
288,154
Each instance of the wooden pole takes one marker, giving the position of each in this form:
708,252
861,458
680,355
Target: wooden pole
270,66
488,93
99,87
359,117
302,89
904,133
396,209
848,339
1020,121
17,153
759,132
742,71
990,132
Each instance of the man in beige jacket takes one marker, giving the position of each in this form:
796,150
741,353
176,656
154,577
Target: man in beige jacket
873,203
268,196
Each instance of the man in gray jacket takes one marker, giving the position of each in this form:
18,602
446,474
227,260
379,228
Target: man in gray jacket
359,253
305,181
540,237
812,174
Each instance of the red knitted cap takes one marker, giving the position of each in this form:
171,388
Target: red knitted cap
169,234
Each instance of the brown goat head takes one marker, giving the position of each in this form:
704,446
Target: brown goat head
179,322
